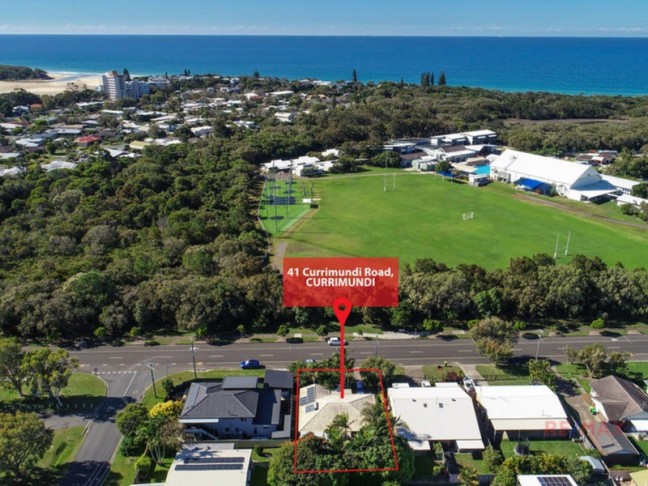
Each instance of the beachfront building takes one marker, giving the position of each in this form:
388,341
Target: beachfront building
115,87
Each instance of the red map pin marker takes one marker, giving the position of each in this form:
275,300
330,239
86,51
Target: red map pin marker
342,308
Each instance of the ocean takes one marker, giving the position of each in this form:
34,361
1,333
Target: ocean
613,66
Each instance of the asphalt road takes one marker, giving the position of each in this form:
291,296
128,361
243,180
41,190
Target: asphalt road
91,465
107,360
127,371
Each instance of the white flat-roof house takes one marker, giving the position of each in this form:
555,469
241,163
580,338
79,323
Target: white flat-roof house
443,413
206,464
521,412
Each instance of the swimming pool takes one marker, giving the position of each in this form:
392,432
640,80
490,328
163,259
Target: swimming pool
483,169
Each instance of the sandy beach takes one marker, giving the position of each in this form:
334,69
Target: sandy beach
59,83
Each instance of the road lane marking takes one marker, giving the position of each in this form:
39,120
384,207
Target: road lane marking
614,347
317,354
267,355
215,356
116,357
129,384
465,350
415,352
366,352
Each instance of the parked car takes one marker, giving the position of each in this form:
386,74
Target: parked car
335,341
250,364
426,384
468,383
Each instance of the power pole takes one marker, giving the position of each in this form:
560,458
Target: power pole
151,367
193,355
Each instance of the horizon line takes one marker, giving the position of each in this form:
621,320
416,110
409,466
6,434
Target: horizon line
499,36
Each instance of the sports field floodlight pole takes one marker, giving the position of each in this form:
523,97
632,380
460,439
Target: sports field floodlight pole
274,201
193,355
151,367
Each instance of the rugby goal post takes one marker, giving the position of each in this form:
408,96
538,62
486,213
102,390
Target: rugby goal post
467,216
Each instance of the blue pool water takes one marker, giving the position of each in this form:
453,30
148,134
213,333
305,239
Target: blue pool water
483,169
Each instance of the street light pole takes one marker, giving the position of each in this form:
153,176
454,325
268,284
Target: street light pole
376,347
540,332
151,367
193,355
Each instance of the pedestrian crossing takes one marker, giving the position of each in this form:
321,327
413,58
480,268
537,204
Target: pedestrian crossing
113,372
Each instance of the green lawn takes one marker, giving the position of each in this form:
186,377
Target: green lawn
467,460
84,392
435,373
151,400
636,371
505,375
64,447
560,447
277,219
122,470
641,444
423,218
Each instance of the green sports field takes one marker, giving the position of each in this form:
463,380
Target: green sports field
423,217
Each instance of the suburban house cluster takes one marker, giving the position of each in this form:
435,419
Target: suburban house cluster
224,420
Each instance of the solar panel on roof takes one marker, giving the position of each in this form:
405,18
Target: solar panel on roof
310,408
214,460
554,481
208,467
310,392
304,401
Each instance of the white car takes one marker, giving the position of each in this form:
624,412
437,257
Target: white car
426,384
335,341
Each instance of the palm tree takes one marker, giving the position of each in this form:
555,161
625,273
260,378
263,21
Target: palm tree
342,421
336,437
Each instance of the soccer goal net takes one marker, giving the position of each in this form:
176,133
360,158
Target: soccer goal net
467,216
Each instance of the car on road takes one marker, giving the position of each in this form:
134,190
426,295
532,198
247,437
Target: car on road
309,361
250,364
335,341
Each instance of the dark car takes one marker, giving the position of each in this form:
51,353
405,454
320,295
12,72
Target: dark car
250,364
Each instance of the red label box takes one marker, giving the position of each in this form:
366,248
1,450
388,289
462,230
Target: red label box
318,282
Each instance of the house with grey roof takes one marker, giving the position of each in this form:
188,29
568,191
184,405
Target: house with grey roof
240,407
622,402
611,442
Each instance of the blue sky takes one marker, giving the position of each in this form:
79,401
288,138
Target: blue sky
328,17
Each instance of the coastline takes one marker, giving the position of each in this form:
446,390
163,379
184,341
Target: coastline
60,82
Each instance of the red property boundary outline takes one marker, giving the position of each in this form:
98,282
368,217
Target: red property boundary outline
389,425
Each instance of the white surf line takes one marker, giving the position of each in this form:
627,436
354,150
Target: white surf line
129,384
